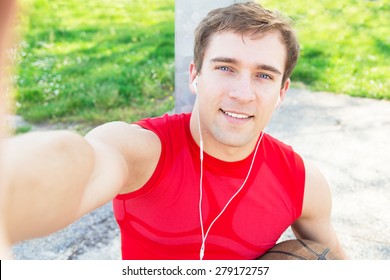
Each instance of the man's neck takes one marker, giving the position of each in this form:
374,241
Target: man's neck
216,149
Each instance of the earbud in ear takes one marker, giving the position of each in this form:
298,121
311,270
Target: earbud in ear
195,85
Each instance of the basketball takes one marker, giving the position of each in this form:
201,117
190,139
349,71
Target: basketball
299,249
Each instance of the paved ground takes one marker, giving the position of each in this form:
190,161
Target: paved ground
348,138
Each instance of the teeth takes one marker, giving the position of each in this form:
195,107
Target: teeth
237,116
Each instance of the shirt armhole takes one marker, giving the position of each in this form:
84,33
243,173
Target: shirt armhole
300,184
159,168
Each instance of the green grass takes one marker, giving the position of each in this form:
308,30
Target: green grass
96,61
345,45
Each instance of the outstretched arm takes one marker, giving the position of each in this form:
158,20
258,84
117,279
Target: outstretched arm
315,222
53,178
45,176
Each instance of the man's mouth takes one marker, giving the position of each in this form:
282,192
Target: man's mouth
236,115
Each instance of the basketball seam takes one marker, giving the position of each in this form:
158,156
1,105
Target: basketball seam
321,256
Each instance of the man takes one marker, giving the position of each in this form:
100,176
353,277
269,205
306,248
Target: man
205,185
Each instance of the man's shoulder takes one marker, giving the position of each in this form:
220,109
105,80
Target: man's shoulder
279,151
122,136
272,142
168,124
166,119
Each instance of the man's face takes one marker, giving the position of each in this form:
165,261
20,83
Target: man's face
238,87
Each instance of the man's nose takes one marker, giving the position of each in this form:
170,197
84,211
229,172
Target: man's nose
242,90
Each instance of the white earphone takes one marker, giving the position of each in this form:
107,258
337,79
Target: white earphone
278,102
205,231
195,85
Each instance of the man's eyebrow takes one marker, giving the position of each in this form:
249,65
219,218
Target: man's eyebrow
224,59
235,61
269,68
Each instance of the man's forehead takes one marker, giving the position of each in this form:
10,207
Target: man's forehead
266,49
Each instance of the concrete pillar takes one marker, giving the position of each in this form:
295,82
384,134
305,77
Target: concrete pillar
188,14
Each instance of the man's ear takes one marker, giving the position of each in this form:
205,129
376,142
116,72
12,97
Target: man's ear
283,90
192,77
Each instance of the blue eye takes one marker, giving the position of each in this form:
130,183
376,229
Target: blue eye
265,76
224,68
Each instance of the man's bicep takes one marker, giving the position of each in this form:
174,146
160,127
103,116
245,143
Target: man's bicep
315,222
107,179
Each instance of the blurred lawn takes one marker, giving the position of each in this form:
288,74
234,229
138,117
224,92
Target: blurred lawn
101,60
96,60
345,45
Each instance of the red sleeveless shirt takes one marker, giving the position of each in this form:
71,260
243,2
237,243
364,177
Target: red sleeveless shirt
161,220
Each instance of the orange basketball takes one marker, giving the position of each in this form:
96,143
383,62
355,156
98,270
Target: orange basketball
299,249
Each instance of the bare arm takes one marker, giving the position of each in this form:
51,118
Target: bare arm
45,176
315,221
54,178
